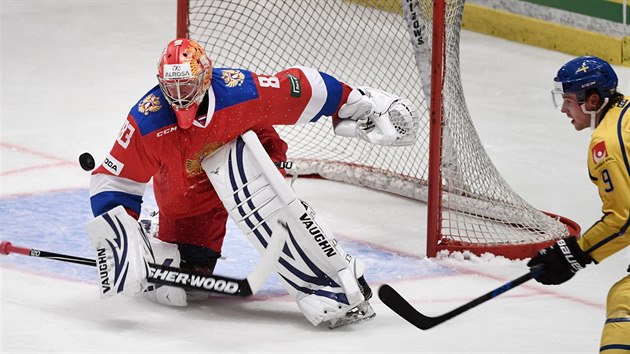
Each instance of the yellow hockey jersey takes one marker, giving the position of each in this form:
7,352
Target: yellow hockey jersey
609,170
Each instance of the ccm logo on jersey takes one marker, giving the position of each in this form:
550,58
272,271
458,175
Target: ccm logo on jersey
166,131
112,165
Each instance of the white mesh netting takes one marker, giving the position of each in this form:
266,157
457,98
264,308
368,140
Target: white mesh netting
368,43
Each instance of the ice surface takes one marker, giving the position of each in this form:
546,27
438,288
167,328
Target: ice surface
70,72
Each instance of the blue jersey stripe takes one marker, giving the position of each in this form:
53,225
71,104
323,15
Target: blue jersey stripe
617,320
615,346
620,137
335,92
105,201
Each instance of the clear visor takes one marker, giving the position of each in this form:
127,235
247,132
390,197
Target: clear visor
181,93
557,95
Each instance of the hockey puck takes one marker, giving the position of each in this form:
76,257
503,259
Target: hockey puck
87,161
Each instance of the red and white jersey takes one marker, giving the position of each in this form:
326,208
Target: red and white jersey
151,145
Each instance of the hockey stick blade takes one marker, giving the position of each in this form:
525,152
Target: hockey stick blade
398,304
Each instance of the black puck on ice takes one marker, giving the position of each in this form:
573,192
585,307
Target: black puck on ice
87,161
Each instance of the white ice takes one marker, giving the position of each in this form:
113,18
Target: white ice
70,72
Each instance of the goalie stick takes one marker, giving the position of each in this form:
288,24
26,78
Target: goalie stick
171,276
398,304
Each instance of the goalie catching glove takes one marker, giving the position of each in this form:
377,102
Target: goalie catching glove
378,117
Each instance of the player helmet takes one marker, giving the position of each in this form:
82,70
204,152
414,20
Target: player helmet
184,74
583,75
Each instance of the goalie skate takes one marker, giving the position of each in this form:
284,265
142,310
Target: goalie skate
361,312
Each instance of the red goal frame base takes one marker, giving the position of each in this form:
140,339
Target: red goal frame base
513,251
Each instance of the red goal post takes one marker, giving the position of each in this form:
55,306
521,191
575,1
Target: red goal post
400,47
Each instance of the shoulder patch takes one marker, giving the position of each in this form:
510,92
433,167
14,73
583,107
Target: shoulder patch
600,155
232,77
232,87
599,151
296,86
149,104
113,166
622,103
152,112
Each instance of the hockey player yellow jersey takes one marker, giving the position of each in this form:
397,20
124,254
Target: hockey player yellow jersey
609,169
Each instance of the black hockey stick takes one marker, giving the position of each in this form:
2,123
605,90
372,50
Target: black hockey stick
6,248
158,274
161,274
398,304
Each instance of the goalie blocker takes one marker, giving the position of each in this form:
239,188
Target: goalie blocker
326,282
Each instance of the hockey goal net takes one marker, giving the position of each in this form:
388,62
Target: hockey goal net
384,44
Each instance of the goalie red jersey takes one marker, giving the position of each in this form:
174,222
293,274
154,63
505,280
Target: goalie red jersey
152,145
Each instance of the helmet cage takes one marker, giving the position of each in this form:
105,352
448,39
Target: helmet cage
183,93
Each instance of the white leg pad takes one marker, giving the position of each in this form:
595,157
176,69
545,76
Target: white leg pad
315,270
123,252
318,308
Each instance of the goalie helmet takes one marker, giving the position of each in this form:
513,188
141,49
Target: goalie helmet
584,75
184,74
